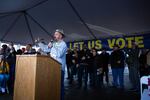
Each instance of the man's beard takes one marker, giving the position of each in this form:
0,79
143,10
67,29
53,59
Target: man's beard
57,39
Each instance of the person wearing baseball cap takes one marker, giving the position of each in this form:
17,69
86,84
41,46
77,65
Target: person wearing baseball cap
61,32
57,50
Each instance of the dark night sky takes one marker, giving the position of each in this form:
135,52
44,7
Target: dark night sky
124,16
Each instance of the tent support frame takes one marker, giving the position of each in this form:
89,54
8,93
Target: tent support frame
10,27
28,26
81,19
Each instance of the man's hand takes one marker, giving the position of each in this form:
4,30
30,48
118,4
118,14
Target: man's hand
77,65
50,45
88,57
37,40
119,62
73,61
83,58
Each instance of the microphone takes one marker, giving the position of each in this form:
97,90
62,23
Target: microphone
52,41
50,44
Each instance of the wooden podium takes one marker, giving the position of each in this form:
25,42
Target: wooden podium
38,77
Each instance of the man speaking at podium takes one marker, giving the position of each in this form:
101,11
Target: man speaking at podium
57,50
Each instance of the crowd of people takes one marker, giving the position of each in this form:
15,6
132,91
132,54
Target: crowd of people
8,63
87,65
91,66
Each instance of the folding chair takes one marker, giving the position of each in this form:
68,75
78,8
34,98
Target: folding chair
143,80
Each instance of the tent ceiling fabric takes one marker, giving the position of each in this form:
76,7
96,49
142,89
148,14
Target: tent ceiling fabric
105,18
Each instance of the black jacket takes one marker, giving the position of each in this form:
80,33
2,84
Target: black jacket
104,59
69,58
86,54
117,59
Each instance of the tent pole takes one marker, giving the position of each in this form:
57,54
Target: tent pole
4,16
36,5
10,27
81,19
28,26
13,12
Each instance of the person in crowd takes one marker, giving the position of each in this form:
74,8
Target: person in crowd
75,60
117,59
4,68
29,49
58,51
148,60
90,67
144,68
12,63
133,66
74,64
19,52
23,50
94,78
83,66
69,62
104,63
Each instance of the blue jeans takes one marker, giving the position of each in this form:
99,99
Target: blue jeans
3,80
117,74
